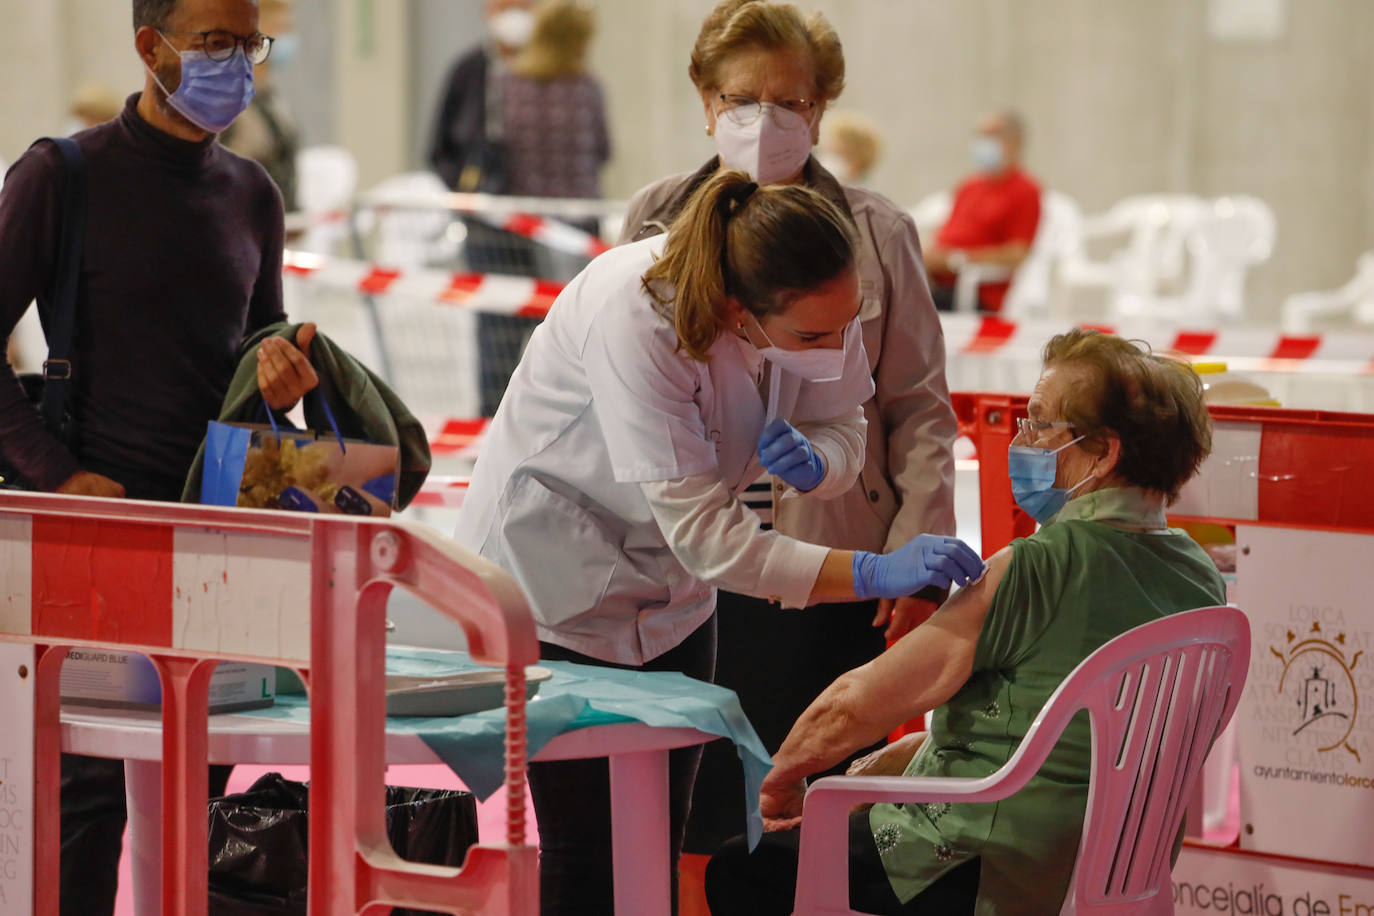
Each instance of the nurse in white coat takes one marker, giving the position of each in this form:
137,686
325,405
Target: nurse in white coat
666,377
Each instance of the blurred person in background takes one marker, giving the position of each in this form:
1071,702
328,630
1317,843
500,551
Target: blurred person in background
850,146
267,132
463,148
182,262
541,133
93,104
765,74
553,111
995,214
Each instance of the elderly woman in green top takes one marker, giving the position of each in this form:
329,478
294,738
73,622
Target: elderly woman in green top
1113,433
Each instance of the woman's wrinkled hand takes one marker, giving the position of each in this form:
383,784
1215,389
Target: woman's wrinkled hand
889,760
780,803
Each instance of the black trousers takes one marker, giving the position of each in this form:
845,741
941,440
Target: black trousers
500,338
777,661
93,807
764,882
572,798
93,816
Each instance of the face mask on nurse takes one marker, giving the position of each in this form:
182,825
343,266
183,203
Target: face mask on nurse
815,364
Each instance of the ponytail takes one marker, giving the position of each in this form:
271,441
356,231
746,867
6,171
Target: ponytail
761,246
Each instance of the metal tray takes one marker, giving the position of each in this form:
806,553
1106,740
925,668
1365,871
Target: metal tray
456,694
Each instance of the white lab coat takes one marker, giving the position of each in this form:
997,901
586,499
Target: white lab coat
583,469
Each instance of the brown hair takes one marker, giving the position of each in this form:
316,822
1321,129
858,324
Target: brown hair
762,246
1152,403
558,44
739,25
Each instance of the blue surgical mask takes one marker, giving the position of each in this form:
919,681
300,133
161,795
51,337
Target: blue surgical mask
212,92
987,154
1032,472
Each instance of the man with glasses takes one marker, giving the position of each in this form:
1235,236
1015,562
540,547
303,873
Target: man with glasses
181,261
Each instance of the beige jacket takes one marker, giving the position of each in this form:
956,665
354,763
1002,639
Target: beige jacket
906,486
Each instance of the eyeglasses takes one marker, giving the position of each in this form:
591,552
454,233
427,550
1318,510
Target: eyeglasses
1028,430
744,110
219,44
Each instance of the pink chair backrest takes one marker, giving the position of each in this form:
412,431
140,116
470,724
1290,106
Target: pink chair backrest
1158,695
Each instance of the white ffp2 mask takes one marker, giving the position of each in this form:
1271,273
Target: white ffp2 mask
815,364
512,27
768,150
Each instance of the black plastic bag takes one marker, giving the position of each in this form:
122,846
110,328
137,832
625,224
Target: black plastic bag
258,862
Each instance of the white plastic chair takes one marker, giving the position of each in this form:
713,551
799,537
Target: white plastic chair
1228,239
1355,297
410,237
931,213
1224,239
327,177
1157,696
1061,222
1153,227
1056,235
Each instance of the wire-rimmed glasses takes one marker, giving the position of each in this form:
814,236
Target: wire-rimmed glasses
744,110
1029,431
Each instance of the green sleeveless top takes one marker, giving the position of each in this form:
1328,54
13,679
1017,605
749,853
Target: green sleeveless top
1068,589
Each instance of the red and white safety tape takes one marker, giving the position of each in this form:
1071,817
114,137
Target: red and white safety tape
551,233
441,492
497,293
1250,349
548,232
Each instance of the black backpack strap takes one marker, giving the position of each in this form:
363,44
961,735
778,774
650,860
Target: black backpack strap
57,369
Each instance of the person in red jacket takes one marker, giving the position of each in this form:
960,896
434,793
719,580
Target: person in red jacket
996,211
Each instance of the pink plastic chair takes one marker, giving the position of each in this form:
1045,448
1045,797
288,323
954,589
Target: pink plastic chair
1157,696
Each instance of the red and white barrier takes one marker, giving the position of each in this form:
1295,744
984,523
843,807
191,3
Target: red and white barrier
187,585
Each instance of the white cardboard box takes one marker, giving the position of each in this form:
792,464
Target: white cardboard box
127,680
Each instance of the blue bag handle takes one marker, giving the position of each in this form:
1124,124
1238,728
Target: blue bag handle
328,412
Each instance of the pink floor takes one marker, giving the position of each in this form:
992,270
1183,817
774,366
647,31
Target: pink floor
491,814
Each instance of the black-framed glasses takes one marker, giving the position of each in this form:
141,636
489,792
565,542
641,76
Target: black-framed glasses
744,110
219,44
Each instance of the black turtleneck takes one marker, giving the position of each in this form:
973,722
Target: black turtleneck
183,257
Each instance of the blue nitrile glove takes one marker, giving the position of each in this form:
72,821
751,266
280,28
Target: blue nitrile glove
927,559
786,453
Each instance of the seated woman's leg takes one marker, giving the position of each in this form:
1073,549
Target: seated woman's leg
764,882
758,883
